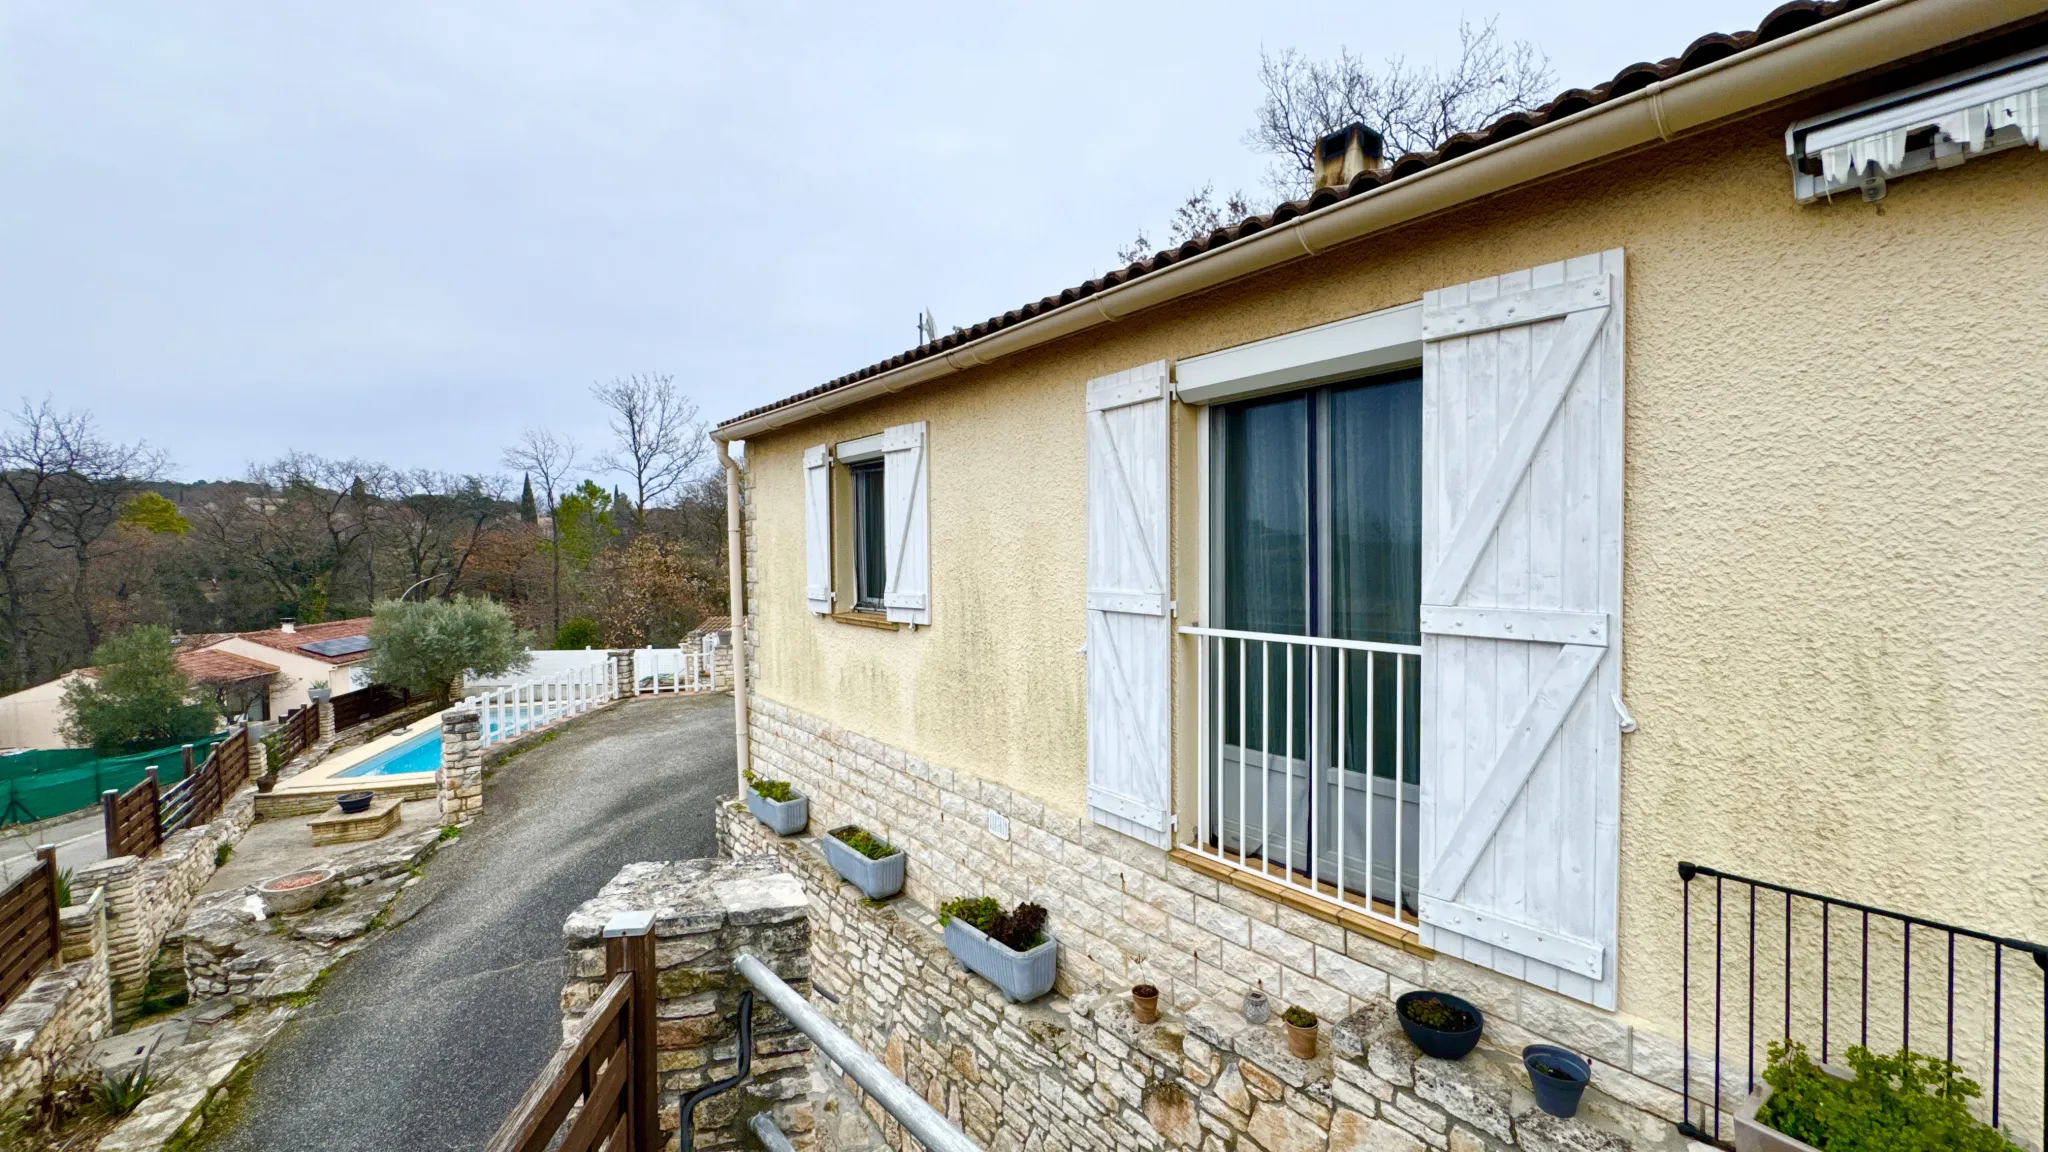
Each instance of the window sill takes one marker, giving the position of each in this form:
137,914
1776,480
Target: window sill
1302,902
867,620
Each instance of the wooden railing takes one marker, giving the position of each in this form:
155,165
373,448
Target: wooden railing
598,1091
30,939
301,731
353,708
138,820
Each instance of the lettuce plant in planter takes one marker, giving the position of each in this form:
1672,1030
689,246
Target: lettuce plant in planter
873,866
773,802
1011,950
1901,1103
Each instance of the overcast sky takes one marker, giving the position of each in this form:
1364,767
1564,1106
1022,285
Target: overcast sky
401,231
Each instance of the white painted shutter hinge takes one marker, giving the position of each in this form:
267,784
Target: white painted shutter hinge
1628,721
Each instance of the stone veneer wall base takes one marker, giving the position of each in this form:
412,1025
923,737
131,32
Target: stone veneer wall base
1126,913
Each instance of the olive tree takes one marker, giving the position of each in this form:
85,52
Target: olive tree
422,646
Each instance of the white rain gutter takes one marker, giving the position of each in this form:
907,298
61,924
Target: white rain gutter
1849,44
736,599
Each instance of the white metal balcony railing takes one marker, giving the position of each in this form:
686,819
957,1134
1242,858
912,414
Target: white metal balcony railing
1308,765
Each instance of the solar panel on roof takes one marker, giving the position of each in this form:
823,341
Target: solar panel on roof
339,646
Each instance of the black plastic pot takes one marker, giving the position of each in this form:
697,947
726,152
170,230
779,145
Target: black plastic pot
1558,1078
1442,1043
354,802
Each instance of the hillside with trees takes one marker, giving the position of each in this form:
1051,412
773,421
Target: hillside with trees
610,545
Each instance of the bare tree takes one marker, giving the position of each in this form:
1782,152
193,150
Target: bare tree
1413,108
660,442
60,484
542,454
1198,216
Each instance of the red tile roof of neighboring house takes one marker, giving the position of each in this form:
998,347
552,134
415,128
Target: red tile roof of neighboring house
712,624
1782,21
212,666
294,641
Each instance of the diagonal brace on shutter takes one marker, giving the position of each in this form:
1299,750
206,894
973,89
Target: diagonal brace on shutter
1504,474
1533,734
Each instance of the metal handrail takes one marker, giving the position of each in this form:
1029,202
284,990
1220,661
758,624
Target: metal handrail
910,1110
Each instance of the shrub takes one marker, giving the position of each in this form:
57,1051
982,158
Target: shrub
1020,931
860,841
778,791
1901,1103
1299,1017
136,697
576,633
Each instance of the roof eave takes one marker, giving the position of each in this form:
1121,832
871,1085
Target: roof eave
1765,74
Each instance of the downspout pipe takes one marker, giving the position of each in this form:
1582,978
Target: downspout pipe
736,568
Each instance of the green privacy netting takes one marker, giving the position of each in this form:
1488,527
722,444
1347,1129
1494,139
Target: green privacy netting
44,783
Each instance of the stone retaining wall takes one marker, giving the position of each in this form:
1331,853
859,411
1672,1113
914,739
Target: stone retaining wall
1126,913
147,898
65,1008
707,912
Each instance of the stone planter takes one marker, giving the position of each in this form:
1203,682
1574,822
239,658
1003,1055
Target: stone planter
1753,1135
876,879
786,818
297,892
1019,976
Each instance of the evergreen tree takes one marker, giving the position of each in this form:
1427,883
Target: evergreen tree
527,512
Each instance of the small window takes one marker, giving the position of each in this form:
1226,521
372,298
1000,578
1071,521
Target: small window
870,544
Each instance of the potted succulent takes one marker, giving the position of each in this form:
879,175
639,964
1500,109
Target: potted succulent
773,802
1145,1003
1301,1032
318,692
872,865
1558,1078
1440,1024
1011,950
1802,1106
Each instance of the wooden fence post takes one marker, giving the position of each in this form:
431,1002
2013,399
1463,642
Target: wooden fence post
156,812
629,947
47,855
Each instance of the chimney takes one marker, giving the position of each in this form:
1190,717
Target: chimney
288,625
1345,153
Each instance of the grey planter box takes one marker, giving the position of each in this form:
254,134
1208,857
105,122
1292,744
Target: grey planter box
1019,976
784,819
876,879
1751,1135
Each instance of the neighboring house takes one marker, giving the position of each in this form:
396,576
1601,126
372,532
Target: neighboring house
1450,557
335,653
34,717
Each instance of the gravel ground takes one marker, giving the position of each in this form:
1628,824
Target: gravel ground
426,1039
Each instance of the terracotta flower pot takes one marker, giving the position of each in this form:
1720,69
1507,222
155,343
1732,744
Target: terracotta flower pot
1145,1003
1302,1041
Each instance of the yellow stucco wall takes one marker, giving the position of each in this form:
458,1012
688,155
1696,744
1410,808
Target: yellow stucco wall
1836,528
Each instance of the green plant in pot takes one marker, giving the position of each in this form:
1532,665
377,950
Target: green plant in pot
865,861
1010,949
773,802
1442,1025
1904,1102
1301,1031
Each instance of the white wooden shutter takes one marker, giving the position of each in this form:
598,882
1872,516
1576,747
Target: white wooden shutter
1521,622
907,588
818,528
1130,637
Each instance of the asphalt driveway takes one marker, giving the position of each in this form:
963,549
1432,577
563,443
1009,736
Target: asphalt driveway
427,1038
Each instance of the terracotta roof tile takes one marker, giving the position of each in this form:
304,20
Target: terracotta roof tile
308,633
1782,21
212,666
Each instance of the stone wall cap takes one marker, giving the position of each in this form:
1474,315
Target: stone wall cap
690,897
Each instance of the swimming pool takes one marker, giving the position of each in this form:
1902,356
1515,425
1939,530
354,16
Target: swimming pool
422,753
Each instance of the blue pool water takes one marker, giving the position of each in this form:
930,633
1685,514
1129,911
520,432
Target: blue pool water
422,753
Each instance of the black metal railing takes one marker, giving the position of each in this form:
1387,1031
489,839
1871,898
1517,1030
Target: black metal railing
1791,940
